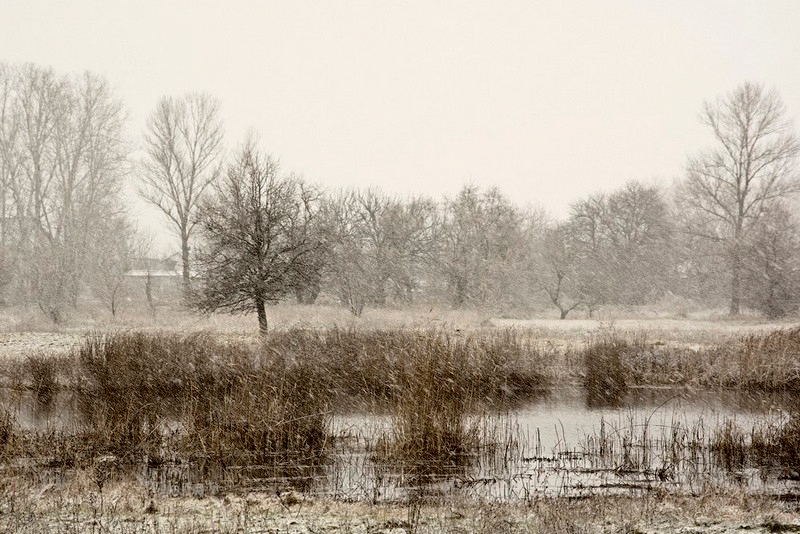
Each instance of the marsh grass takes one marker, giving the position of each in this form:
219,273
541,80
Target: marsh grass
434,381
777,443
280,421
431,408
757,361
6,429
158,398
193,400
232,402
636,445
730,446
676,450
377,364
43,371
605,369
769,361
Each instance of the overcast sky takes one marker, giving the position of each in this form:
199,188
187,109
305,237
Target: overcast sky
548,100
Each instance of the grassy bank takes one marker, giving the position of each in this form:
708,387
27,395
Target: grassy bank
768,361
126,506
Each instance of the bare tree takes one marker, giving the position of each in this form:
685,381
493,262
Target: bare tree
624,240
772,264
733,185
586,236
184,147
8,169
558,260
257,245
351,269
62,160
482,248
91,163
118,246
379,245
34,101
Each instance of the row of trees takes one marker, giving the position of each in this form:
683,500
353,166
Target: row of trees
263,237
62,162
723,229
250,235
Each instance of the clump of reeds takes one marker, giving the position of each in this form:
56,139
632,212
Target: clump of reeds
149,397
769,361
42,370
232,400
777,443
506,365
274,415
433,381
158,366
6,429
349,363
605,366
729,446
126,380
671,448
769,443
765,361
373,365
657,363
430,423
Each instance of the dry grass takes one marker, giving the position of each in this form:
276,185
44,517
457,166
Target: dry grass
604,367
125,506
377,364
161,398
768,361
151,398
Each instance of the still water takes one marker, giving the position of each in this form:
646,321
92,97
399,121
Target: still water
562,442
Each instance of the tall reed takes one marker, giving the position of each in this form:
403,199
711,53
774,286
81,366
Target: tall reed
605,368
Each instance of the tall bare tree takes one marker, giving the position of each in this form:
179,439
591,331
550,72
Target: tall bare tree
91,163
482,248
34,101
257,243
183,141
62,160
8,168
731,186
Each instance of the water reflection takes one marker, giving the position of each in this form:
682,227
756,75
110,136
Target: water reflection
604,399
568,441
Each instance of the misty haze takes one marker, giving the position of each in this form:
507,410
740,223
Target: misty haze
382,267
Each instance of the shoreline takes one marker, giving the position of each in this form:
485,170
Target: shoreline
125,506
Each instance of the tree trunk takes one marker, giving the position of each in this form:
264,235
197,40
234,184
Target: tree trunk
736,279
564,314
461,291
736,286
185,260
261,310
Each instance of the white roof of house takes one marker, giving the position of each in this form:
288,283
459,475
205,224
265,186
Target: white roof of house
142,273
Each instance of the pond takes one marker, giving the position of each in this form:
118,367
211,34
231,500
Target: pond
563,442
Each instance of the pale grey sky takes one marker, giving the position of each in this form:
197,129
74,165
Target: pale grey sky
548,100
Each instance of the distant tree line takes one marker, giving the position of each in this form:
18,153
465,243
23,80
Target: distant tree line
251,235
62,162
